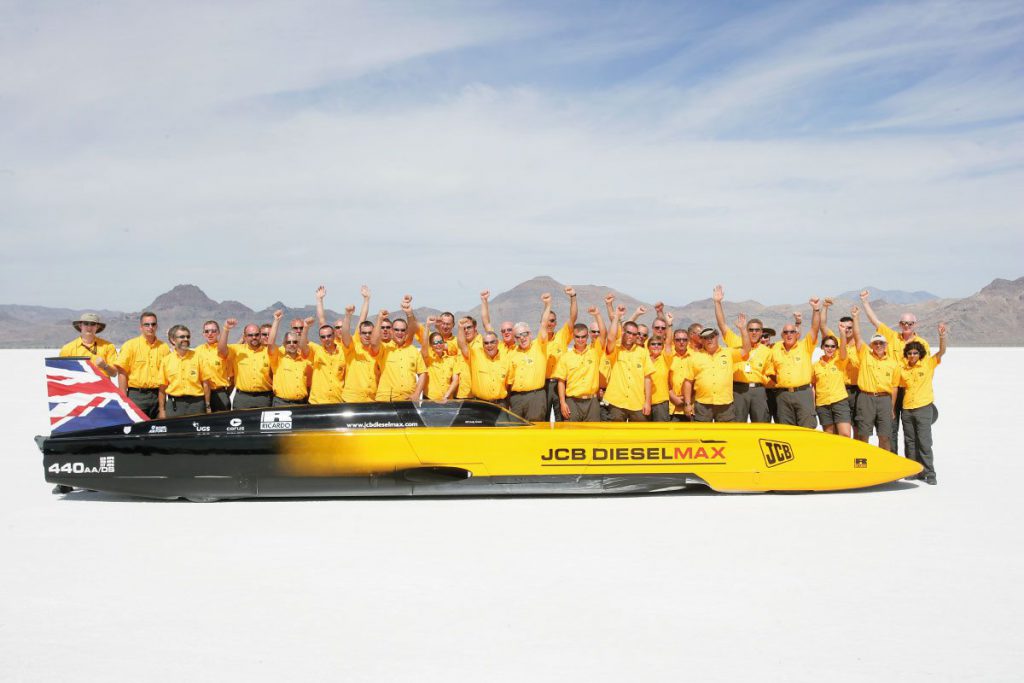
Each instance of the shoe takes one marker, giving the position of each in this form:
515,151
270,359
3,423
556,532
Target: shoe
930,479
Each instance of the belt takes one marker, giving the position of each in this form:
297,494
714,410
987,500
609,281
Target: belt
255,393
185,396
583,398
852,386
145,391
876,393
223,388
749,385
802,388
517,393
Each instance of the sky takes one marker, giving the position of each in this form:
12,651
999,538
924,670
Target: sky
257,149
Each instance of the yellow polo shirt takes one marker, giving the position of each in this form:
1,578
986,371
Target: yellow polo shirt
629,367
659,380
141,361
918,381
897,344
251,368
529,367
489,376
679,369
712,375
852,361
291,376
182,375
751,369
877,374
504,349
792,368
829,379
360,374
440,370
216,370
557,347
580,370
328,373
465,389
399,368
100,348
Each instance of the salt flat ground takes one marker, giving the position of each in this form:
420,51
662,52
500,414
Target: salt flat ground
904,582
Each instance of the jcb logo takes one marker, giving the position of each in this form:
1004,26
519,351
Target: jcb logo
776,452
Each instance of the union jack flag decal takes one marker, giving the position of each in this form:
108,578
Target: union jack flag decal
82,397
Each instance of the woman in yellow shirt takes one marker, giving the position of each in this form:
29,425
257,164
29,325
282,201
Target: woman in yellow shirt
918,403
830,397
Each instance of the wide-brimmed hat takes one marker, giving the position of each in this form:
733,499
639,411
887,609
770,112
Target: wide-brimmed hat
90,318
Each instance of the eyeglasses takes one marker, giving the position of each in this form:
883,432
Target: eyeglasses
297,329
506,329
149,324
581,336
385,327
679,340
829,346
595,332
522,335
326,336
366,333
184,336
913,353
908,323
753,329
789,332
660,327
441,341
210,331
264,334
880,343
252,334
625,332
292,341
655,345
490,343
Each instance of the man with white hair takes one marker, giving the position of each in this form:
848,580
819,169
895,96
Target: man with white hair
183,387
896,342
88,344
528,368
791,365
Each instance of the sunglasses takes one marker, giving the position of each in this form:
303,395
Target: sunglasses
506,329
595,332
490,343
149,324
660,327
753,329
907,323
441,341
210,331
294,341
581,336
830,346
385,327
522,335
326,336
913,353
656,345
252,334
789,332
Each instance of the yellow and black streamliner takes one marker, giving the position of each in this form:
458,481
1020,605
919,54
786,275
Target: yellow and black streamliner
454,448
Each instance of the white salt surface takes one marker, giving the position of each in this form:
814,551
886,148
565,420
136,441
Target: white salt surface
904,582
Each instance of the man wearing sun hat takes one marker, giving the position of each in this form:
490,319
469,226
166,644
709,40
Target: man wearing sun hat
101,352
877,379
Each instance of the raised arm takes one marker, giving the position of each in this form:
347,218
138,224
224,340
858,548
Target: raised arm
815,319
842,344
272,343
321,292
346,325
410,318
364,311
855,314
460,335
602,333
222,340
640,310
304,337
613,332
868,311
485,310
717,295
375,335
823,323
942,341
609,305
741,323
573,309
542,331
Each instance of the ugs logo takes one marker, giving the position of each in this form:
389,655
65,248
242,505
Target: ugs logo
276,420
776,452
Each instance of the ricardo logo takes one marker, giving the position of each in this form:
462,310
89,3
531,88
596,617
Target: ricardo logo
776,452
275,420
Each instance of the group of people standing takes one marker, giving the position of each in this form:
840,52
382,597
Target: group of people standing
614,369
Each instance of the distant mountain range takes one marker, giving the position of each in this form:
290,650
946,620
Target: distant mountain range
992,317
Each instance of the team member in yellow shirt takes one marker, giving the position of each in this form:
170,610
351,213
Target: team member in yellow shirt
709,375
558,344
138,366
216,370
790,364
292,369
919,403
678,370
629,380
403,374
852,361
896,342
328,362
877,380
101,352
830,399
250,362
183,387
489,371
443,380
659,379
528,367
507,343
578,373
750,401
360,359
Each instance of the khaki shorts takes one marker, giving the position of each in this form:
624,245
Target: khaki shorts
835,413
